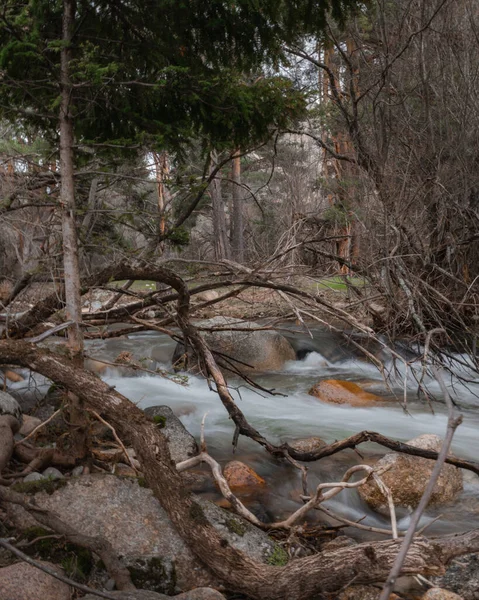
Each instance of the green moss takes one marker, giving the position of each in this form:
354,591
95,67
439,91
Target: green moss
159,421
197,514
75,560
236,526
43,485
142,482
78,562
153,574
278,558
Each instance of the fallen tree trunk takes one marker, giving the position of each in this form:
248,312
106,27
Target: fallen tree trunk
301,578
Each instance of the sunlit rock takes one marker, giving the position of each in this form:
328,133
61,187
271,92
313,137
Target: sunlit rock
335,391
408,476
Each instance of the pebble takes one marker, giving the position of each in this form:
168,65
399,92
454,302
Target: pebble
77,471
33,477
52,473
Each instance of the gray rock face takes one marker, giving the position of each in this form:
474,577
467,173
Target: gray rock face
408,477
24,582
197,594
9,406
462,577
133,521
181,443
255,350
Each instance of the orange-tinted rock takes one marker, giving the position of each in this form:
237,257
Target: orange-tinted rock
13,376
336,391
239,475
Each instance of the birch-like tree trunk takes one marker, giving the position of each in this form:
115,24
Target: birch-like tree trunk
237,225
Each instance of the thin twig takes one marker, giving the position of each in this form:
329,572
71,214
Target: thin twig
37,428
453,423
6,544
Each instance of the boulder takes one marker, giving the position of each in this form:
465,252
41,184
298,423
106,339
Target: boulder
440,594
335,391
251,350
181,443
309,444
24,582
135,524
9,406
207,296
238,475
29,424
461,577
408,476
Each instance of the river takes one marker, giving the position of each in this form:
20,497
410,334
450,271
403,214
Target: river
296,414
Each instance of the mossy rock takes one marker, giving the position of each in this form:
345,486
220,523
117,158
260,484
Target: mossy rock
43,485
76,561
153,573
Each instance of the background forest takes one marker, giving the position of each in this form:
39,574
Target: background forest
310,163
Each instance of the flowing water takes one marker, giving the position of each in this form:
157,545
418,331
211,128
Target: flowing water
296,414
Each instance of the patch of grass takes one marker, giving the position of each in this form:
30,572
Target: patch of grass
159,421
278,558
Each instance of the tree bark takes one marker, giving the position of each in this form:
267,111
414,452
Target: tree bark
237,226
71,268
70,243
220,232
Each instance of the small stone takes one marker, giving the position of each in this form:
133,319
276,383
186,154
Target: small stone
33,477
77,471
24,582
122,470
335,391
440,594
363,592
13,376
29,424
309,444
201,594
52,473
239,475
9,406
108,454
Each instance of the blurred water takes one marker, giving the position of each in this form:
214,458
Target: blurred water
298,415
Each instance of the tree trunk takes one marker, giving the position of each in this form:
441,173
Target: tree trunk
237,236
301,578
220,232
70,244
71,268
